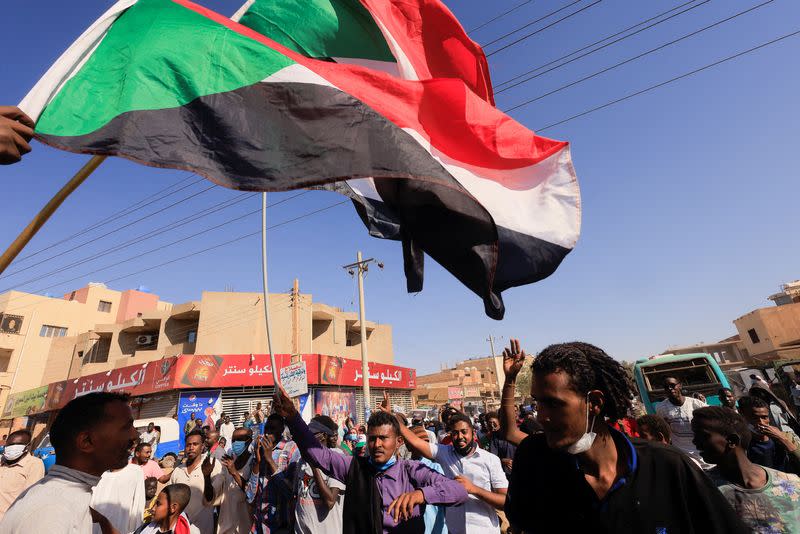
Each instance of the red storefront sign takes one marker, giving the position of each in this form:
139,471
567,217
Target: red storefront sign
135,379
233,370
338,371
190,371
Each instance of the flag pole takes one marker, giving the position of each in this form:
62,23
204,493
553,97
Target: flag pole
38,221
275,374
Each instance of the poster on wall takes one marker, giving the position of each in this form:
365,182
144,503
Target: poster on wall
206,406
338,405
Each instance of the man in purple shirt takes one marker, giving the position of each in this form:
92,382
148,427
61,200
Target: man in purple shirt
384,494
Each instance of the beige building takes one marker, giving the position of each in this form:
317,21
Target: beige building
469,382
727,352
96,329
771,333
764,334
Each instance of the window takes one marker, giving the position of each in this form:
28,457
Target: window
80,355
5,360
52,331
191,336
104,306
753,336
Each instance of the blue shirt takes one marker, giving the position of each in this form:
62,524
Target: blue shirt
434,515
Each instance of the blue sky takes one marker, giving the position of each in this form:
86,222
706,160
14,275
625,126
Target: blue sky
689,192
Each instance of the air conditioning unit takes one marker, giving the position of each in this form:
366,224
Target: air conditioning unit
146,339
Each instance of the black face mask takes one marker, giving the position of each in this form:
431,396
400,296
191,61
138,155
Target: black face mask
466,451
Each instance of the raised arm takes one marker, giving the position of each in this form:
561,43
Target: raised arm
513,360
414,444
332,464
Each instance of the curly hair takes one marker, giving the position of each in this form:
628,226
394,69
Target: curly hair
723,421
589,368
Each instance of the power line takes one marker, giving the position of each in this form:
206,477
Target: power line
671,80
139,238
524,37
90,241
638,56
116,215
522,75
230,241
531,23
501,15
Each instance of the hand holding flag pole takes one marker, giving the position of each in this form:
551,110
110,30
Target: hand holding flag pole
44,214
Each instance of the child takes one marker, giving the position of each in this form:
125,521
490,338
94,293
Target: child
168,513
151,496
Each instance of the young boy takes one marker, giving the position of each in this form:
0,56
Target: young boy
168,513
151,497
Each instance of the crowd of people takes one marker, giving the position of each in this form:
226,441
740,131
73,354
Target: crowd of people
577,459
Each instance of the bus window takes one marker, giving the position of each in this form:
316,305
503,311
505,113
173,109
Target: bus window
698,373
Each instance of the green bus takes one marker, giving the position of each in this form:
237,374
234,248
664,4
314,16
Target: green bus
698,373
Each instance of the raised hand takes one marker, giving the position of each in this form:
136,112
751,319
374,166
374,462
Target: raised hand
403,506
208,466
16,129
228,462
384,405
513,360
282,404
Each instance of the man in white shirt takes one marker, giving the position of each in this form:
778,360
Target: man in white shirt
91,434
19,469
319,503
226,430
151,438
677,410
120,497
203,475
479,471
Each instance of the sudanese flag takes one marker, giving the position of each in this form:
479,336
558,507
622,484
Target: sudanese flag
168,83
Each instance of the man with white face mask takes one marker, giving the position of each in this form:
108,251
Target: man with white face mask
581,474
18,469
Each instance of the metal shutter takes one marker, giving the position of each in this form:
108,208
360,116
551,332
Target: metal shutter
161,405
239,403
397,397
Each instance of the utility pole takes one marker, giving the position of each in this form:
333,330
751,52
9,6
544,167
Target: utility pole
296,321
491,339
498,364
363,266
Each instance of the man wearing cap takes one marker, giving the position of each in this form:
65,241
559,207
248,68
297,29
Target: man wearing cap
318,508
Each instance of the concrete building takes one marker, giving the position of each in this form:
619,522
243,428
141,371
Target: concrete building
728,352
465,385
763,335
96,329
789,293
771,333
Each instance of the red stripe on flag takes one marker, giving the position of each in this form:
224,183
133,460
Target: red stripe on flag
434,42
452,118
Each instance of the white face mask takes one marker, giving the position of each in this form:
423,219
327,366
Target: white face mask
13,452
587,439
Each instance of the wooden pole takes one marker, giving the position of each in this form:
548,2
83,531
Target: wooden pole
38,221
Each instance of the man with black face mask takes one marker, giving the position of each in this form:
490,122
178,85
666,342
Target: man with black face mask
581,474
478,470
18,470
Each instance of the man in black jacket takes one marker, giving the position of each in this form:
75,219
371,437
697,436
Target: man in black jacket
581,474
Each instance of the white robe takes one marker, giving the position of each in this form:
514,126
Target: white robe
120,497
